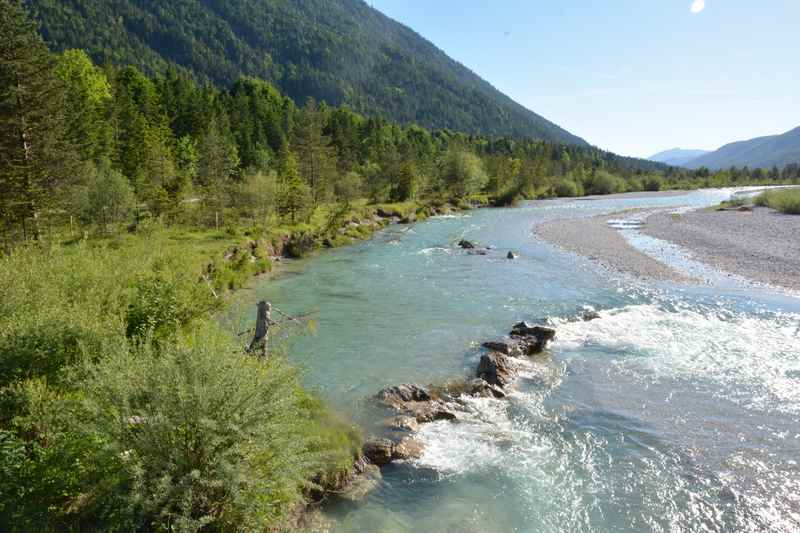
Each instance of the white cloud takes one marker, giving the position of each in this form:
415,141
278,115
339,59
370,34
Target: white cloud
698,6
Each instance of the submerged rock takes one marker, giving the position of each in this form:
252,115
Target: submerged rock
478,251
465,244
364,481
495,369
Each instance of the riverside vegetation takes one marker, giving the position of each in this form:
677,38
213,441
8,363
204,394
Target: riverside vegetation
128,206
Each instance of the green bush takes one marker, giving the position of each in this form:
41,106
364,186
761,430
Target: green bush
784,200
166,299
185,435
200,433
566,189
604,183
56,307
653,182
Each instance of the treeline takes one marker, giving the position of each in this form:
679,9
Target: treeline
92,145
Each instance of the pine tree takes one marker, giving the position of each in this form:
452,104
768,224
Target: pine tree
317,156
35,155
294,197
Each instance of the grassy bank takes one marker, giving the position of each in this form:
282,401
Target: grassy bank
786,200
124,406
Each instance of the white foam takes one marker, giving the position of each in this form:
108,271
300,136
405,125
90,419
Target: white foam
730,349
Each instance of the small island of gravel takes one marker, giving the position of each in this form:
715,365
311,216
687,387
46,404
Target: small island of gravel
759,243
762,245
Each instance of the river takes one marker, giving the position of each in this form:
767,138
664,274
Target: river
676,411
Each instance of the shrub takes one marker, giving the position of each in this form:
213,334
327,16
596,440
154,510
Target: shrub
566,189
201,434
56,307
784,200
604,183
185,435
653,183
166,299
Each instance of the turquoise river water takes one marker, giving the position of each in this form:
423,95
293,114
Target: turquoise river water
676,411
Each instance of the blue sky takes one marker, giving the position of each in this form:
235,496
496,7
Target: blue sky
632,76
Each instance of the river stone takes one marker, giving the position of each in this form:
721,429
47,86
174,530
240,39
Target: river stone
478,387
494,368
378,451
534,338
404,423
511,255
425,412
589,315
523,329
465,244
408,448
400,394
506,348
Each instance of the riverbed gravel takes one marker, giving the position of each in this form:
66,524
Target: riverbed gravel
762,245
595,239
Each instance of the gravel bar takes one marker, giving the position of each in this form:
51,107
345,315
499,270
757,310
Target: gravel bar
762,245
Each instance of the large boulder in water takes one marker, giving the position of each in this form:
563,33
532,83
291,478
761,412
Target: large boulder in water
401,394
416,402
495,369
408,448
533,338
512,349
403,423
478,387
379,451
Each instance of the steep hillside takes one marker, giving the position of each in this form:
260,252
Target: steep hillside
339,51
764,152
677,157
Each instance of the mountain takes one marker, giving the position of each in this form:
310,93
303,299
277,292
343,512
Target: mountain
677,157
337,51
763,152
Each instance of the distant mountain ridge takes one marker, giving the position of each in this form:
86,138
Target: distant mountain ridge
677,157
339,51
764,152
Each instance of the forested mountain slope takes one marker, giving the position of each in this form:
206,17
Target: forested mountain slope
337,51
677,156
761,152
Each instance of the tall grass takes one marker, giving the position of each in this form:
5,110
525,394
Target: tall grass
784,200
123,408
